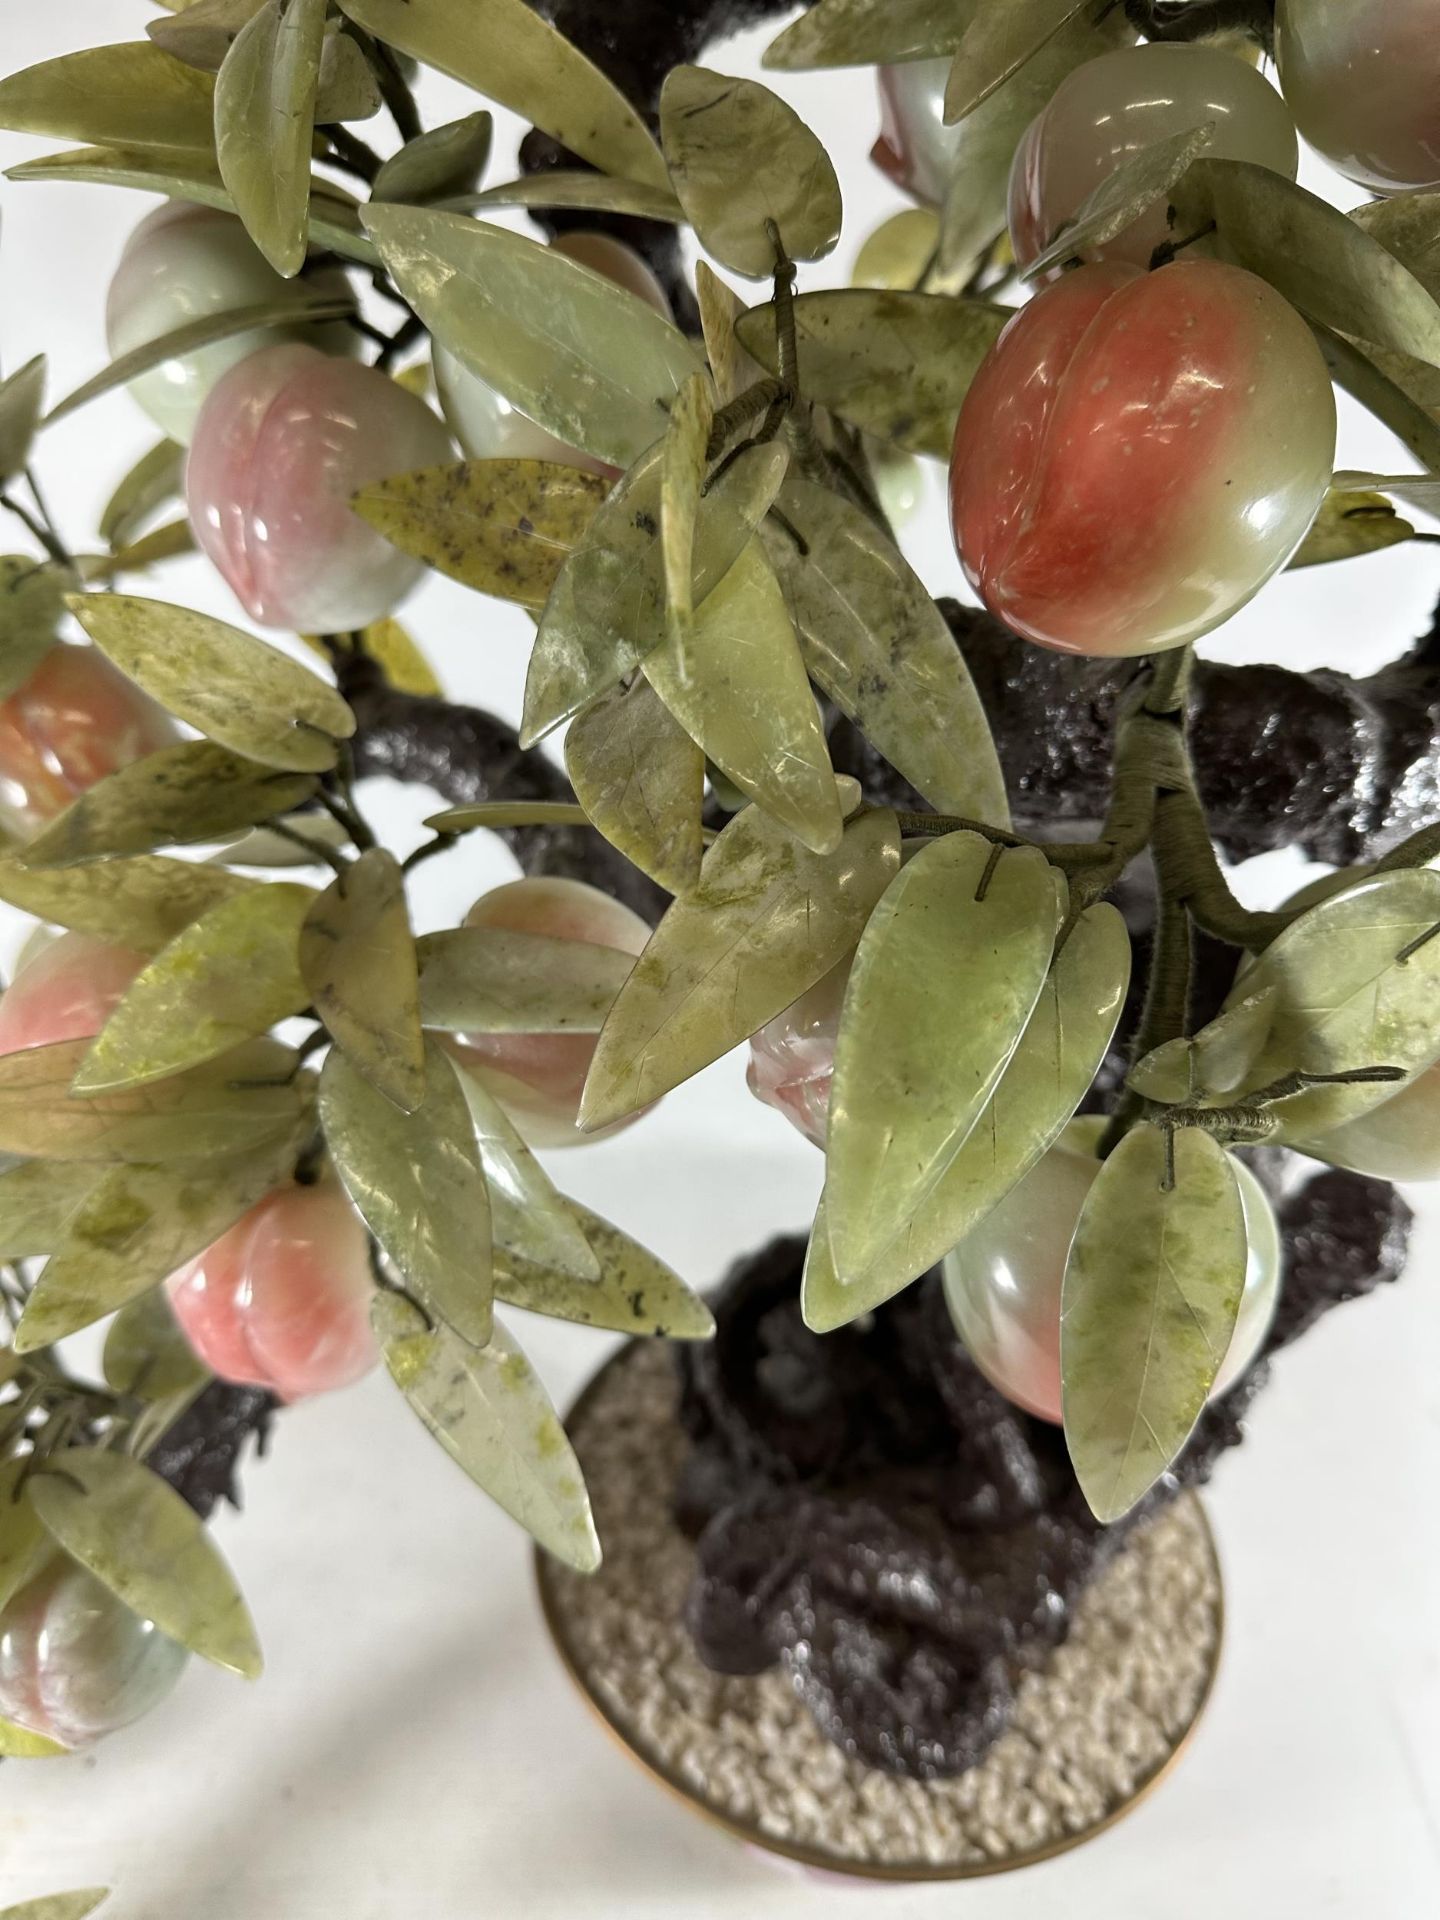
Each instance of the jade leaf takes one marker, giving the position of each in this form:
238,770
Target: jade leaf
897,255
394,650
584,192
37,1201
503,527
265,121
416,1181
21,398
347,88
1420,490
138,1537
1408,225
866,33
682,481
203,34
1351,521
491,1414
446,161
731,367
997,43
228,685
497,815
269,847
1151,1294
875,641
529,1218
767,920
54,1906
32,601
133,93
1401,392
740,160
141,903
146,1353
641,780
230,975
155,478
18,1743
949,969
357,957
25,1546
505,50
497,980
1214,1062
635,1293
1141,179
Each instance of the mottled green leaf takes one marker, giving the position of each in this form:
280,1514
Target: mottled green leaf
1348,524
503,527
1214,1062
191,791
682,480
497,980
169,542
203,33
1400,391
949,970
147,1355
767,920
268,847
348,88
491,1414
37,1201
1420,490
138,1537
589,361
874,639
584,192
1052,1069
866,33
18,1743
25,1546
264,124
529,1218
32,600
131,93
897,364
230,975
155,478
641,780
505,50
731,367
21,398
228,685
445,161
997,43
635,1293
57,1906
497,815
357,957
1141,179
416,1181
1152,1290
897,255
142,903
1407,225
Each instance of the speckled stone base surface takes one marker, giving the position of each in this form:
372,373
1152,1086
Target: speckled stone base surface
1090,1732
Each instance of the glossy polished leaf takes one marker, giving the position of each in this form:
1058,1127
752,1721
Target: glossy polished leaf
496,980
641,780
357,957
416,1181
203,34
228,685
682,478
866,33
21,397
137,1226
875,641
25,1546
55,1906
740,158
731,367
997,43
1401,392
155,478
147,1355
268,847
164,543
585,193
393,650
37,1201
264,124
1351,522
1330,268
138,1537
141,903
32,601
607,610
497,815
897,364
767,920
505,50
1149,1304
115,95
1420,490
491,1414
590,362
1052,1069
191,791
348,88
528,1217
944,982
1216,1061
735,680
231,975
1137,183
1407,225
899,252
503,527
635,1293
446,161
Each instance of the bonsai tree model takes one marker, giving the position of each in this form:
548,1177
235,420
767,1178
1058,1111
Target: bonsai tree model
277,1136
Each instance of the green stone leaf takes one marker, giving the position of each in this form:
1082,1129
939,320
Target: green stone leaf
530,1220
416,1181
202,35
38,1199
948,973
682,480
1329,267
32,600
491,1414
1350,523
55,1906
503,527
264,125
869,33
1409,227
584,192
1217,1061
505,50
18,1743
897,364
191,791
21,398
898,254
997,43
497,815
147,1355
607,610
1420,490
137,1226
641,780
874,639
142,903
138,1537
194,176
114,96
735,680
731,367
602,372
767,920
1137,183
1060,1052
229,976
740,157
169,542
156,478
358,959
25,1546
348,88
268,847
1402,393
446,161
228,685
635,1294
1151,1295
495,980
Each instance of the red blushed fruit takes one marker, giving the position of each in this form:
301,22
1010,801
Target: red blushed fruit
283,1299
75,720
67,992
538,1078
1139,454
792,1057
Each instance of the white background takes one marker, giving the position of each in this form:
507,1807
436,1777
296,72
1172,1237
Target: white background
413,1748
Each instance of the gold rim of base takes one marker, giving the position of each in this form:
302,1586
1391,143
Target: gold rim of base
818,1858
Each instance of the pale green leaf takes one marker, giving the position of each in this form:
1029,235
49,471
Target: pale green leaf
497,815
870,33
133,93
1214,1062
264,125
635,1293
25,1546
997,43
21,398
447,160
1420,490
348,88
141,903
720,309
682,481
357,957
32,601
147,1355
18,1743
530,1220
1141,179
56,1906
1350,523
155,478
641,780
583,192
1401,392
897,255
37,1201
169,542
499,980
203,33
1407,225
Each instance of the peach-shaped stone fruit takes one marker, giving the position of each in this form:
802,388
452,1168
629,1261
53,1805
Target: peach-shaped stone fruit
67,991
1362,78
